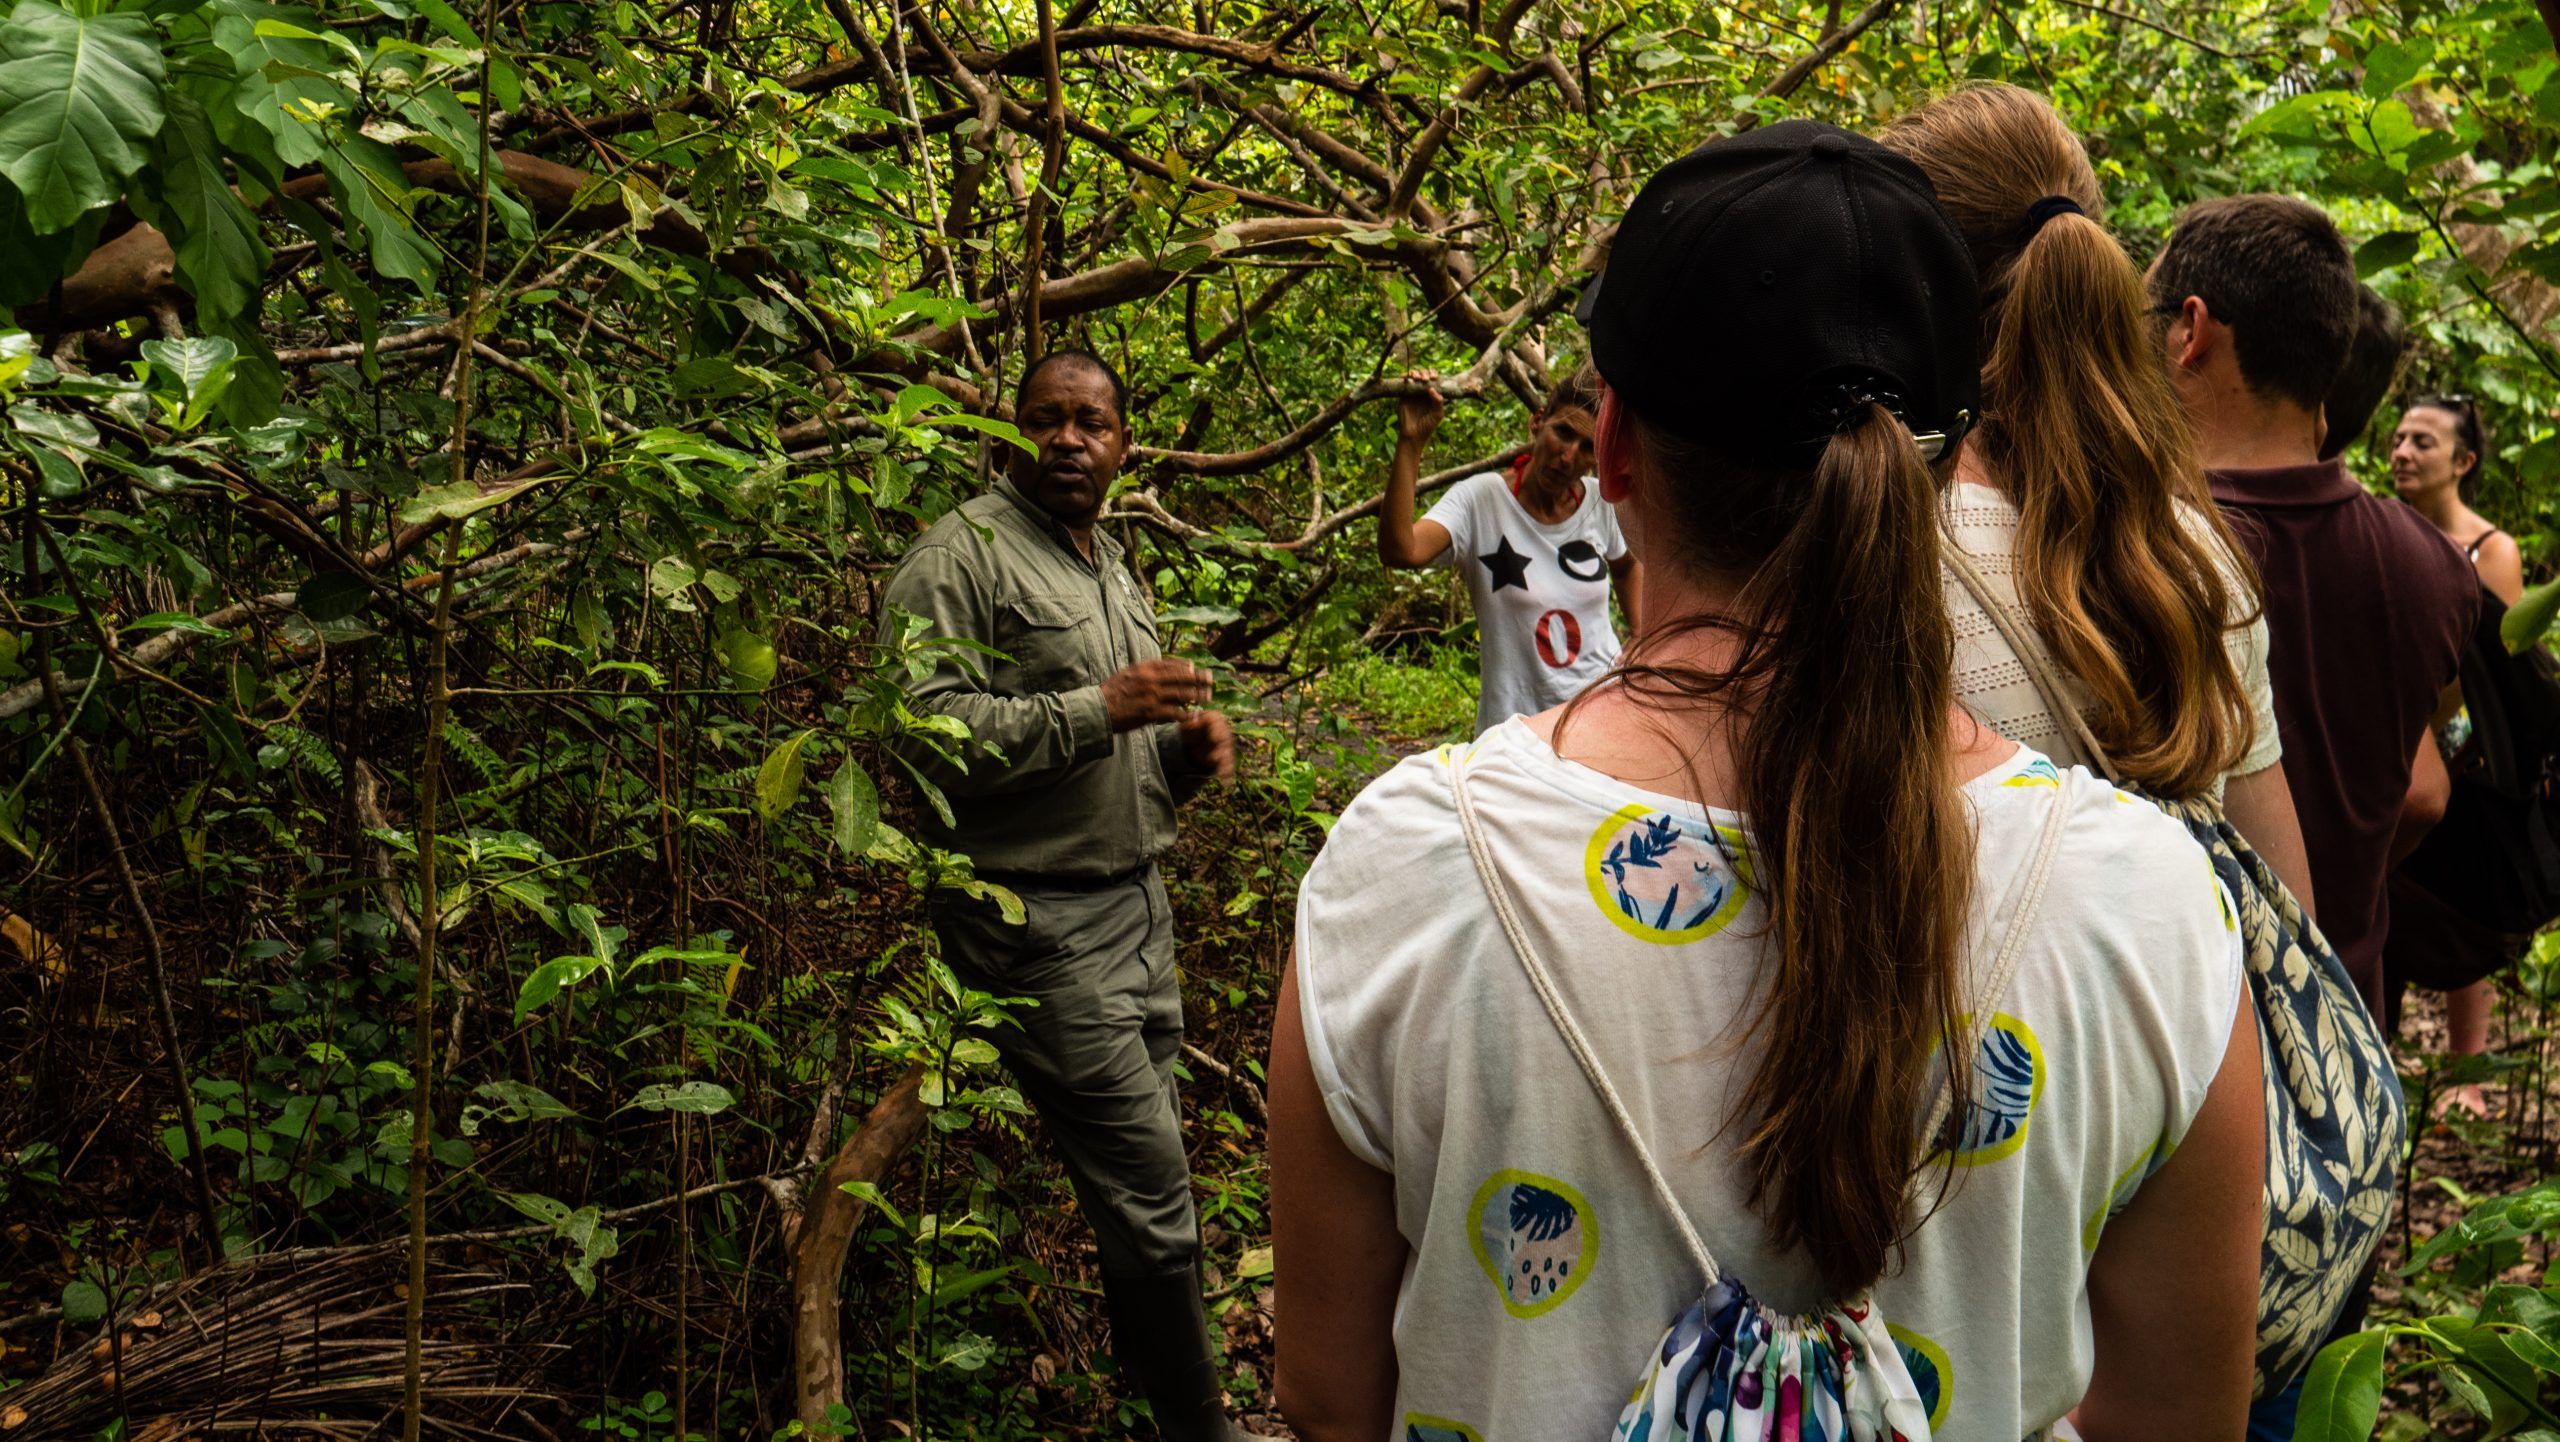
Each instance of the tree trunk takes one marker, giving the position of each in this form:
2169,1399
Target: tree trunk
825,1236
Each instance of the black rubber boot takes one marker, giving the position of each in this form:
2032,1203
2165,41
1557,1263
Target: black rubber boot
1160,1333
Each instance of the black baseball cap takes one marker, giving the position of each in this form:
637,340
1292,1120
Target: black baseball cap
1765,285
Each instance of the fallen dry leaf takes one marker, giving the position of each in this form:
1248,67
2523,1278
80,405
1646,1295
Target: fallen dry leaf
33,945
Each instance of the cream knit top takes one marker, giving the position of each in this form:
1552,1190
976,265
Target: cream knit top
1994,685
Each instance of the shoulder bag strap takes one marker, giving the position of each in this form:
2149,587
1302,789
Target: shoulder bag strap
2004,965
2030,652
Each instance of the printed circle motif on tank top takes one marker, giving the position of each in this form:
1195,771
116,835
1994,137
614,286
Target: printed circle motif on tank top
1535,1237
1930,1371
2008,1082
1657,879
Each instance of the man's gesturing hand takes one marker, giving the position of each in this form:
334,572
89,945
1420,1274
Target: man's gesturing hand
1210,741
1145,693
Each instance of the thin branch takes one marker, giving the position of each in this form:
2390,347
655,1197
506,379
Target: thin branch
1830,45
1426,146
1053,154
2171,31
438,334
430,796
1144,508
1253,311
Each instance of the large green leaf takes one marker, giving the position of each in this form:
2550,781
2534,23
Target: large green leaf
2530,617
202,367
257,382
83,1303
750,659
79,100
221,256
283,79
2343,1394
552,978
366,180
2392,66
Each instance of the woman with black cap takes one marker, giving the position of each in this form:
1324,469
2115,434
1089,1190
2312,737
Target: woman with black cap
1642,1004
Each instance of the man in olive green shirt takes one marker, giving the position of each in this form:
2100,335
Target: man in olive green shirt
1083,738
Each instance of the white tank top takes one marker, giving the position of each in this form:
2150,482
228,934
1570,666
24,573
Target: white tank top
1542,1270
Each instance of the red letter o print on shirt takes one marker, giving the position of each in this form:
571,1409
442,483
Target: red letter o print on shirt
1559,639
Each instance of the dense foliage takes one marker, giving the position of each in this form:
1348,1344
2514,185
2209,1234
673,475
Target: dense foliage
449,452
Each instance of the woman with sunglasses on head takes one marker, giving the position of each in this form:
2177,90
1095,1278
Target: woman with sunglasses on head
2436,456
1649,1002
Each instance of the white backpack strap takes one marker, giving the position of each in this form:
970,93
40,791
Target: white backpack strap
2004,965
2013,943
1544,985
2029,651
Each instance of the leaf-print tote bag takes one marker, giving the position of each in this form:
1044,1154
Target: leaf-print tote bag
2336,1119
1730,1366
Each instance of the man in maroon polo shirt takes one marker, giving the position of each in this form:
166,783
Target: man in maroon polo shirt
2367,606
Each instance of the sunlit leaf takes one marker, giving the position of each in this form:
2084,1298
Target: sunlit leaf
79,101
2342,1395
856,803
551,978
697,1097
2530,618
778,779
750,659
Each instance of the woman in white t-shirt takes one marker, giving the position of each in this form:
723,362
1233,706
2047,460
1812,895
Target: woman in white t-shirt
1540,551
1765,864
2080,498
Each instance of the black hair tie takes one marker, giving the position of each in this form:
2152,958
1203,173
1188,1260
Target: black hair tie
1844,403
2046,209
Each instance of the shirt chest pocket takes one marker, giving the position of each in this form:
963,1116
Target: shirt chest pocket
1052,639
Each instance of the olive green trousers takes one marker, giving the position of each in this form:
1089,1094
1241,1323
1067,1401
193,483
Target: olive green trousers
1094,1057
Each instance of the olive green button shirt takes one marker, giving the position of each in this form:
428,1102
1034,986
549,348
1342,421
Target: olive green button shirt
1068,798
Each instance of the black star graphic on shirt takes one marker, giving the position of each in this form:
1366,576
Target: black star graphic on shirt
1508,566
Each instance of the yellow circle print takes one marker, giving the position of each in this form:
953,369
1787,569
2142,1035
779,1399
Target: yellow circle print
1659,881
2037,772
1931,1373
2121,1193
2008,1081
1535,1237
1418,1428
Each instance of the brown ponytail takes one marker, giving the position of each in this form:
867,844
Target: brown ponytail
2081,427
1860,845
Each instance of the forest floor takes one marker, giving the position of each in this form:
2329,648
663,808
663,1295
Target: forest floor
2459,1159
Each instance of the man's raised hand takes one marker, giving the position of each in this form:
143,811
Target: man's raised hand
1146,693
